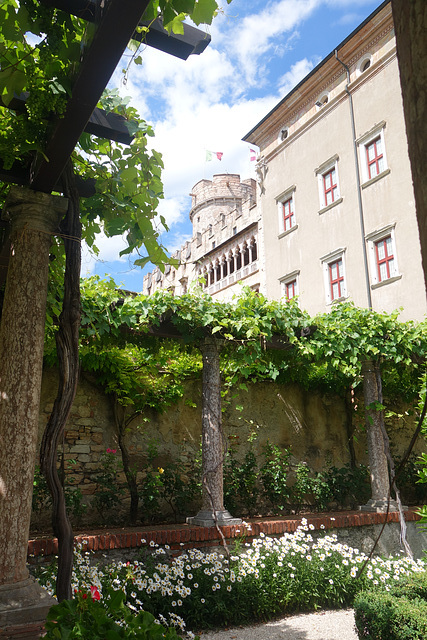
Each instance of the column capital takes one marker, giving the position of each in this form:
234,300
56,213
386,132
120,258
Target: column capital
25,208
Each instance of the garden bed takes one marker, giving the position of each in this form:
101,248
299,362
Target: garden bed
358,528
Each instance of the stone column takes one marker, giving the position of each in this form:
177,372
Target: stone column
212,511
378,467
34,217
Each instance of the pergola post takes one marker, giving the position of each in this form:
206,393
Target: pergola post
378,466
212,511
34,217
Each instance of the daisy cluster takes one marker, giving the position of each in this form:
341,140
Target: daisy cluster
265,577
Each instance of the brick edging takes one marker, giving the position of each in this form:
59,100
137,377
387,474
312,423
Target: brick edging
186,536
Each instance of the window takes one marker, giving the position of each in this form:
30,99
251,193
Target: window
372,154
322,101
336,279
288,214
286,210
329,189
289,285
291,289
382,251
283,134
374,157
334,276
384,254
364,64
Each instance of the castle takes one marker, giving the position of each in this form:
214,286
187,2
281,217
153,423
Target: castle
333,215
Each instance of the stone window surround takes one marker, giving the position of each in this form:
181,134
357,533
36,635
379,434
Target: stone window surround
326,260
288,194
371,239
377,131
320,171
293,276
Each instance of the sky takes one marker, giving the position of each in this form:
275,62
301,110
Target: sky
259,51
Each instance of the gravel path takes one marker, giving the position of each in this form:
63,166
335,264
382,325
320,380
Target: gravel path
324,625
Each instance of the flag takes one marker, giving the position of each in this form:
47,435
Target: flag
211,154
253,154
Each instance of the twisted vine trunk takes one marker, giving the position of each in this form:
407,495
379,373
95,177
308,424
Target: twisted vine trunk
67,346
121,425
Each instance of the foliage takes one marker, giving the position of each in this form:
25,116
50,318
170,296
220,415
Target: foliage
42,499
40,51
349,486
422,461
109,492
85,616
270,576
399,614
274,476
348,335
240,483
181,486
143,372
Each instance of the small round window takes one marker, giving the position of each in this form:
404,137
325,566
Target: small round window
322,101
283,134
364,64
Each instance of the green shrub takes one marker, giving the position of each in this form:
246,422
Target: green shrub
109,493
399,614
90,615
274,476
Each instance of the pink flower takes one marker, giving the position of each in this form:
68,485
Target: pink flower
95,593
111,450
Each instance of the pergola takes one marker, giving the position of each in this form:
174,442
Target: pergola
32,215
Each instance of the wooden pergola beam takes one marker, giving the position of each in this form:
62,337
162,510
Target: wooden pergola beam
116,28
101,123
192,42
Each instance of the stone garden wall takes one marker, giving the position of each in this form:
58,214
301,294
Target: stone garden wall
315,426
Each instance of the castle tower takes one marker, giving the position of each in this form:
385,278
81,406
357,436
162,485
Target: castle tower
224,248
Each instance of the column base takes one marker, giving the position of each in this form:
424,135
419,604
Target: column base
205,518
380,506
24,602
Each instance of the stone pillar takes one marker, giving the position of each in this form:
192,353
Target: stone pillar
34,216
378,467
212,511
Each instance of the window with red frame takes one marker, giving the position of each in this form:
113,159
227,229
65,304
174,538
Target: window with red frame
336,279
385,258
290,289
288,214
330,187
375,157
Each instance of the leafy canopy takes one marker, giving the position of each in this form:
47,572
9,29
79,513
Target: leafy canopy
40,50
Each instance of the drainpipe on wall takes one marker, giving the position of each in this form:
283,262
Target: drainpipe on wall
359,189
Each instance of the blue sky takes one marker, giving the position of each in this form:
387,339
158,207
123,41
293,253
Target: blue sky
258,53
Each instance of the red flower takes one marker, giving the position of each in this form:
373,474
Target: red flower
84,596
95,593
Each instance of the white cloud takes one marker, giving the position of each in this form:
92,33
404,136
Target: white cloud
297,72
255,38
109,250
173,210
